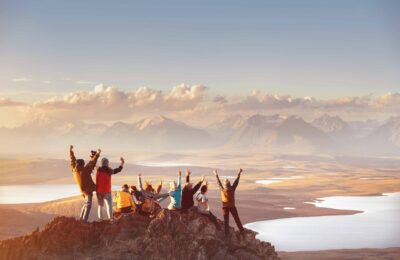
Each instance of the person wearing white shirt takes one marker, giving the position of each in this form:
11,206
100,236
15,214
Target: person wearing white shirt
203,207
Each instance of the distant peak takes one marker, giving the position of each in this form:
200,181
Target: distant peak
152,121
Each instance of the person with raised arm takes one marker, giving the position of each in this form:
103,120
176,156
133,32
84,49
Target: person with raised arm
203,207
175,190
82,176
188,192
150,197
103,187
228,201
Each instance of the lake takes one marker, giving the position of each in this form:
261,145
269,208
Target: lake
377,227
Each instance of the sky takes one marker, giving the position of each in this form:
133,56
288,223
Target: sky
321,49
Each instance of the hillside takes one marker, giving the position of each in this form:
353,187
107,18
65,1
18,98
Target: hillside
171,235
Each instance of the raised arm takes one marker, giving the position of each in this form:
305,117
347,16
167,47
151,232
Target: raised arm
140,181
235,184
72,157
188,172
159,187
121,166
218,180
198,185
93,161
179,180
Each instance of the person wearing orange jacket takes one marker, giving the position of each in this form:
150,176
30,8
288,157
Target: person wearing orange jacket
228,201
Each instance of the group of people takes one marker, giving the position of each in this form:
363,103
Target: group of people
144,198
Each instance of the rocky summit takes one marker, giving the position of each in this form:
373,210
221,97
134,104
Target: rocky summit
170,235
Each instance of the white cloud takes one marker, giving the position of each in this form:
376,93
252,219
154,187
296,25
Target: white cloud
193,103
108,102
21,79
84,82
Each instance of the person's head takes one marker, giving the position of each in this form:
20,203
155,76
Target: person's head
203,189
188,186
172,186
133,188
92,153
125,187
104,162
148,186
80,163
227,183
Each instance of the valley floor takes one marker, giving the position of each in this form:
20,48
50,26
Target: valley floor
301,179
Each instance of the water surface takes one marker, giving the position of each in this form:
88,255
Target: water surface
377,227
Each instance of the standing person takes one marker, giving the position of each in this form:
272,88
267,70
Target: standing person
203,207
82,176
124,200
175,193
188,192
228,201
103,187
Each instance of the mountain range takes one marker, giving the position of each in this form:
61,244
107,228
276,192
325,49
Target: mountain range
276,133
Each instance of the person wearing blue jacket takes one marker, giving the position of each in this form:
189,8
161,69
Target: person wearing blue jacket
175,193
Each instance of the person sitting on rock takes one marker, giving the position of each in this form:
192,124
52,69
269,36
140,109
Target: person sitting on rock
103,187
82,176
203,207
175,190
188,192
136,195
124,200
228,201
150,197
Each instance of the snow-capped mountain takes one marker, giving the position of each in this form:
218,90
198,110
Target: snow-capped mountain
335,127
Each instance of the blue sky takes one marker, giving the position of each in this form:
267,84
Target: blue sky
302,48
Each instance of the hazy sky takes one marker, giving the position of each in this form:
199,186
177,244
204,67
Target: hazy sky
324,49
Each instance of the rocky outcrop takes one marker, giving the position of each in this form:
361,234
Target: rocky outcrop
170,235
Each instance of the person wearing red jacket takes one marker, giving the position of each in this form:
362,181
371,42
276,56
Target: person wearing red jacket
103,187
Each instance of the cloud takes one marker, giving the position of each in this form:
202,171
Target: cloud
21,79
220,99
109,102
258,100
194,103
84,82
6,102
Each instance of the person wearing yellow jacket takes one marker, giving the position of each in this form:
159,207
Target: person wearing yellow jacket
124,200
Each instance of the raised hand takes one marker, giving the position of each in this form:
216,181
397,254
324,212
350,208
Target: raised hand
98,151
140,175
203,178
180,173
188,172
215,172
241,170
122,160
71,147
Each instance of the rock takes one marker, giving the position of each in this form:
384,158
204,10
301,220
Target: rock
170,235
